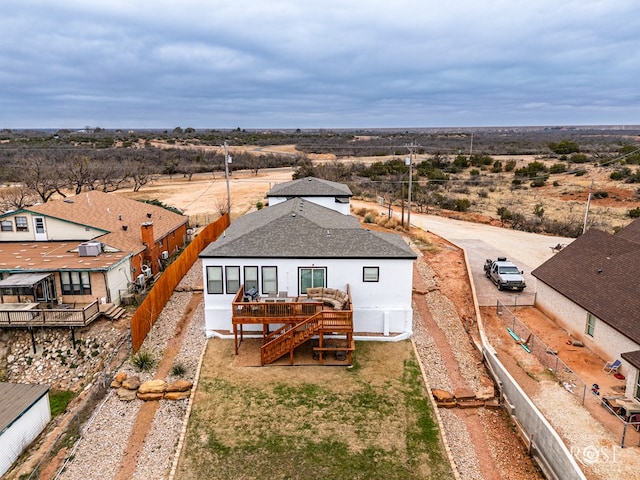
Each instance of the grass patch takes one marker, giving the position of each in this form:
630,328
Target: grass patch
58,400
370,422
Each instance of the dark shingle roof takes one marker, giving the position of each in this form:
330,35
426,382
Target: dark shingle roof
599,272
631,232
310,187
301,229
633,358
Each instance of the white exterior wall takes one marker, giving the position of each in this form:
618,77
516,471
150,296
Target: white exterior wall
22,432
118,279
378,307
327,202
56,230
606,342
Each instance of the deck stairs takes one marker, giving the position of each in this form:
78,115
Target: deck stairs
285,339
113,312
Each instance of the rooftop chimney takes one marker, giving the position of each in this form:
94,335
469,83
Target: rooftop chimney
151,252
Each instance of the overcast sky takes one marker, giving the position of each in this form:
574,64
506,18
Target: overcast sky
318,64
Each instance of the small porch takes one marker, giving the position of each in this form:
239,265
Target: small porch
301,318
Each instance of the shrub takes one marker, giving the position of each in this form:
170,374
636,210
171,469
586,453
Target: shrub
259,205
463,204
558,168
510,165
539,182
143,360
634,212
600,194
178,369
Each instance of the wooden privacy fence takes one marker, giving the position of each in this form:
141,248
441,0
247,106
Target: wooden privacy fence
151,307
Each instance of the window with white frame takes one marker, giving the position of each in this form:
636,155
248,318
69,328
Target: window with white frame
214,279
269,279
591,324
21,224
638,387
232,275
75,283
370,274
7,226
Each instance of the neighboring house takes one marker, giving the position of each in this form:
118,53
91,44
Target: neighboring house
24,413
335,196
590,288
300,243
91,246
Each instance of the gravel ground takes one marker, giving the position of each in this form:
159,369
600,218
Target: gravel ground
101,449
444,314
104,441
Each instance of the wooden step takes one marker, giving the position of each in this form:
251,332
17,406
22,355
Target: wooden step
114,312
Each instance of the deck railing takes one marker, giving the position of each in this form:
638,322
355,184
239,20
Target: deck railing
54,317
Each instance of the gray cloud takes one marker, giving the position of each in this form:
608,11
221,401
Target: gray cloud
286,63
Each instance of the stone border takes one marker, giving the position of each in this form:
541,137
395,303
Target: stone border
187,414
441,427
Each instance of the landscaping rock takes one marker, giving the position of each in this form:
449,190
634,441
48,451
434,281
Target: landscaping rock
125,394
179,386
442,395
115,384
150,396
131,383
153,386
464,394
177,395
121,377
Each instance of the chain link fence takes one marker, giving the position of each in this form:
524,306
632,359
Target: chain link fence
543,353
71,435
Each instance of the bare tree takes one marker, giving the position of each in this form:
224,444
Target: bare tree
221,206
15,198
111,173
141,172
40,173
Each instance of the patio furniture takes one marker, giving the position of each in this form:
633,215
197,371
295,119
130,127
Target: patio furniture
611,367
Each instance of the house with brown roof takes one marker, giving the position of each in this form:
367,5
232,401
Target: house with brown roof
91,246
590,288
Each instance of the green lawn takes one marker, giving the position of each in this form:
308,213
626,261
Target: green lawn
373,421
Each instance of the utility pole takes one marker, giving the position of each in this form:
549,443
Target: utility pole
227,161
410,161
586,213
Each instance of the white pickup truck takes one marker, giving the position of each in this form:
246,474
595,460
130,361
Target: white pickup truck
504,274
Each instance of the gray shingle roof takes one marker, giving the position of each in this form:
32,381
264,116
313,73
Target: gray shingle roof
15,399
301,229
310,187
599,272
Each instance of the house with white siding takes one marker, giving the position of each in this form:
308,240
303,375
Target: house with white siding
333,195
299,244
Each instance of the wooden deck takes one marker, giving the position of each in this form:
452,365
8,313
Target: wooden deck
27,315
301,318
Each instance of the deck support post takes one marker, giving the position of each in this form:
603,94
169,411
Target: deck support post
33,339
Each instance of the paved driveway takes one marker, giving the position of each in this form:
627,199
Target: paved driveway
526,250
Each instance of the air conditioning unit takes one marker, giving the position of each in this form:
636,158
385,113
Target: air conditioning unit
146,270
164,255
140,280
90,249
